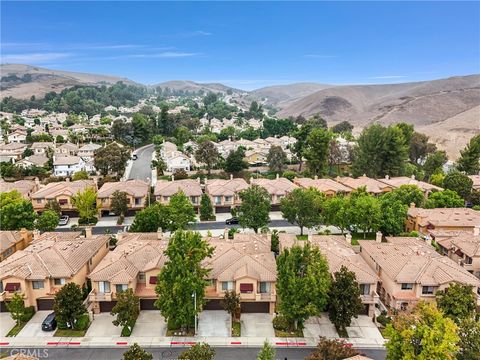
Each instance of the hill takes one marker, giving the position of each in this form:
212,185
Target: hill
185,85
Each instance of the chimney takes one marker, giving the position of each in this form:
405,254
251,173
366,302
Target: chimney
88,231
199,180
231,176
36,234
378,237
412,205
225,234
159,234
67,179
412,177
119,236
316,177
476,230
37,181
348,237
173,177
387,177
278,175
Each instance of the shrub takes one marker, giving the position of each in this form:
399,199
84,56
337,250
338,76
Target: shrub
290,175
82,322
384,319
29,312
82,221
280,323
127,330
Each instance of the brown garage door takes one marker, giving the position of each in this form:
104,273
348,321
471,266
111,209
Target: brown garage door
3,306
44,304
222,209
255,307
213,305
107,306
147,304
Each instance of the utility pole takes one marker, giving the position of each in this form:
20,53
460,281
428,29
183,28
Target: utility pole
194,296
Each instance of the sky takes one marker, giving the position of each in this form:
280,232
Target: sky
247,44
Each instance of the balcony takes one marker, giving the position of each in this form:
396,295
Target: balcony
258,296
371,298
93,297
466,265
8,295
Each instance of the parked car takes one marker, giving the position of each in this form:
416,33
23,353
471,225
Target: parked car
63,220
231,221
50,323
134,157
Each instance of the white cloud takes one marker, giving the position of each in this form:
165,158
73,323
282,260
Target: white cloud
33,58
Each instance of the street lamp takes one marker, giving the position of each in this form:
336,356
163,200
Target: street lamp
194,296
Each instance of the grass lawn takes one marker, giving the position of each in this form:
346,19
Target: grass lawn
281,333
16,329
302,237
69,333
236,329
359,236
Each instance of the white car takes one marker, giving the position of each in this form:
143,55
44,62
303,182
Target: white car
63,220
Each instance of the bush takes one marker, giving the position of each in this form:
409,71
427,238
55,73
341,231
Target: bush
82,221
172,324
29,312
126,331
280,323
384,319
290,175
82,322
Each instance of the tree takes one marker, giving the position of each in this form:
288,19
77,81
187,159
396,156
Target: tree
316,151
123,132
142,127
181,211
80,175
444,199
303,283
234,162
54,206
434,163
267,352
68,304
393,215
332,349
207,154
47,221
182,135
231,302
126,309
458,182
255,207
16,307
135,352
458,302
86,204
342,127
302,207
206,209
119,203
276,159
419,147
469,344
151,218
200,351
345,302
111,159
185,252
469,161
365,212
15,212
423,334
407,194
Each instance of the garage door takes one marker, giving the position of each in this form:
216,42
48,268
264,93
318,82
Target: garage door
213,305
255,307
3,306
222,209
44,304
107,306
147,304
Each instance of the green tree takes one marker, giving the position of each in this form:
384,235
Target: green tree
119,203
342,127
267,352
444,199
185,252
303,283
276,159
393,215
469,161
437,179
181,211
458,182
86,204
182,135
135,352
126,309
207,154
434,163
15,212
142,127
424,334
469,344
111,159
332,349
337,212
47,221
231,302
419,147
234,162
316,151
152,218
206,209
365,212
16,307
458,302
407,194
303,207
345,302
255,207
54,206
199,351
80,175
68,304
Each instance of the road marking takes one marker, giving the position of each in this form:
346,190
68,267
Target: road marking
122,343
4,343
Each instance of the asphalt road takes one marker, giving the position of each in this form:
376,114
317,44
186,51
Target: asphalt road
168,353
141,167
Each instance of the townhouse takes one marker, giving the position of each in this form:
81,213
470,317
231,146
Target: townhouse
24,187
245,265
67,149
277,188
87,151
372,186
41,269
176,161
256,156
410,270
164,190
441,219
134,264
41,148
327,186
224,194
67,165
34,160
12,152
61,192
12,241
137,192
17,136
396,182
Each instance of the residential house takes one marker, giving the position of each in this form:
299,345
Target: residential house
411,270
373,186
224,194
167,148
24,187
164,190
68,165
134,264
17,136
34,160
396,182
246,265
12,241
441,219
61,192
87,151
256,156
277,189
176,161
137,195
12,152
327,186
67,149
40,270
40,148
476,181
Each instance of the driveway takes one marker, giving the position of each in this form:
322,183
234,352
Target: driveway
102,326
34,326
150,323
6,323
363,327
317,326
141,167
257,325
214,323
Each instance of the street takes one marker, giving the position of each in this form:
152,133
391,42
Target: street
141,167
167,353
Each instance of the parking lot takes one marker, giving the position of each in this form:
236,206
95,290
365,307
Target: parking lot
214,323
150,323
34,326
257,325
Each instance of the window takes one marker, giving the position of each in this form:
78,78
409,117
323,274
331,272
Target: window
39,201
1,286
165,198
428,290
141,277
468,260
59,281
364,289
228,199
104,286
218,200
138,201
8,252
121,287
227,285
63,201
37,285
246,288
407,286
193,199
264,287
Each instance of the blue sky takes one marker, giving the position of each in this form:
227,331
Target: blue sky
247,45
